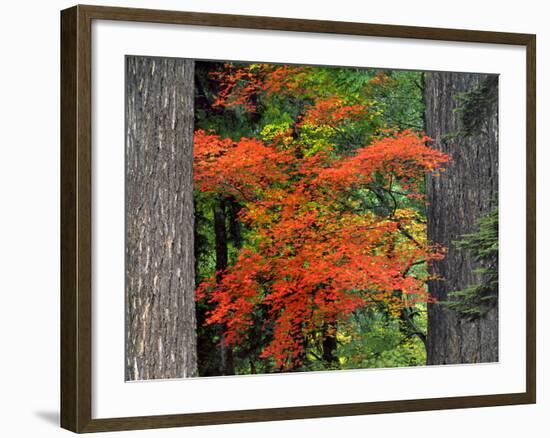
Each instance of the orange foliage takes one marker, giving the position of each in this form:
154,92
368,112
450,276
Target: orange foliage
316,254
404,156
239,85
242,169
332,111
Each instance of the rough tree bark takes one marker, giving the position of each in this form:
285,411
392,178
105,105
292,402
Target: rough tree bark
456,200
160,283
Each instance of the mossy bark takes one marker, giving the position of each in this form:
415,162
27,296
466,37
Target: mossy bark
466,191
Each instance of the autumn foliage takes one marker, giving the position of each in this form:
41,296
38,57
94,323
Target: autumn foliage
328,232
240,85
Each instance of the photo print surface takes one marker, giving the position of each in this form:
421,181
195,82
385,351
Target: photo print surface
286,218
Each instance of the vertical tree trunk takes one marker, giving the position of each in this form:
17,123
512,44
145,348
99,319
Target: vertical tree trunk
329,344
235,231
160,283
456,200
220,233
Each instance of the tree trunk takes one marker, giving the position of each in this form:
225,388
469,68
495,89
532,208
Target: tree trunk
456,200
329,344
220,233
160,283
234,208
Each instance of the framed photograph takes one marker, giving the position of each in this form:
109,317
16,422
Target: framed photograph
268,219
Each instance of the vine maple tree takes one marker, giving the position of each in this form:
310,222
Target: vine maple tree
322,245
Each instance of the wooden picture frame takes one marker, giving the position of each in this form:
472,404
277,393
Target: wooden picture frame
76,218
